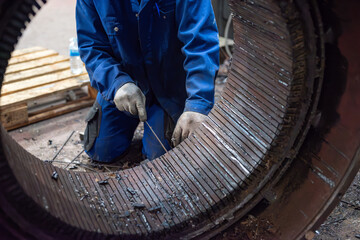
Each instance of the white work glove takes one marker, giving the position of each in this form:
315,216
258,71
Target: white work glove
186,125
130,98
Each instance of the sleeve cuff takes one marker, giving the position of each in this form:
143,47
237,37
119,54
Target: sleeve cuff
198,106
118,83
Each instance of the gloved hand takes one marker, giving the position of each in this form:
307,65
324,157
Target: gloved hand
130,98
186,125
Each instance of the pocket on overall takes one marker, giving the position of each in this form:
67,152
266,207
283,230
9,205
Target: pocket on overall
166,6
92,130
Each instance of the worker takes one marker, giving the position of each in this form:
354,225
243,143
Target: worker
150,60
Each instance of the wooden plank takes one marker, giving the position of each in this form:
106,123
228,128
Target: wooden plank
38,81
14,116
36,72
32,56
69,107
35,63
20,52
51,99
65,108
92,91
55,100
46,107
34,93
35,75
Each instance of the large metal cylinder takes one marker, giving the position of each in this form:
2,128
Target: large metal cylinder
283,143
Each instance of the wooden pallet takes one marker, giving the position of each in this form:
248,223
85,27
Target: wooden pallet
39,85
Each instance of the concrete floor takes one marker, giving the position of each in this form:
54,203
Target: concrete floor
52,27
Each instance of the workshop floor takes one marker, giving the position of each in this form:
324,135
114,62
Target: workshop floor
60,137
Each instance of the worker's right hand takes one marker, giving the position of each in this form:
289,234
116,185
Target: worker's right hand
130,98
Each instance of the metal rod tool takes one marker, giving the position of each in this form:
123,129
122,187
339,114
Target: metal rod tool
156,136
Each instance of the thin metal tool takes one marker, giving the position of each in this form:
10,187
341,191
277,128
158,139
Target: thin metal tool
74,159
72,133
156,136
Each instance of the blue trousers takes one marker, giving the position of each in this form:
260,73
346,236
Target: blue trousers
109,132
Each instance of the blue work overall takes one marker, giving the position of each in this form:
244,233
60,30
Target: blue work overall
168,48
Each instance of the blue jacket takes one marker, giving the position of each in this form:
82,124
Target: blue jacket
169,48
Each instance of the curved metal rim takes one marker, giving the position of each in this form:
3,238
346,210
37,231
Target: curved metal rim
255,197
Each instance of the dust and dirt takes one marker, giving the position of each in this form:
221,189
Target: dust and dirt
344,221
58,140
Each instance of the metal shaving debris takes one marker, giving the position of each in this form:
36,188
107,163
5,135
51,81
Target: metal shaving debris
118,177
104,182
154,209
138,205
131,191
55,175
82,198
125,215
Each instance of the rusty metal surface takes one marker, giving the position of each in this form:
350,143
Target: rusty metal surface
267,140
330,157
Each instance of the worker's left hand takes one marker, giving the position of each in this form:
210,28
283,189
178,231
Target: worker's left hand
186,125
